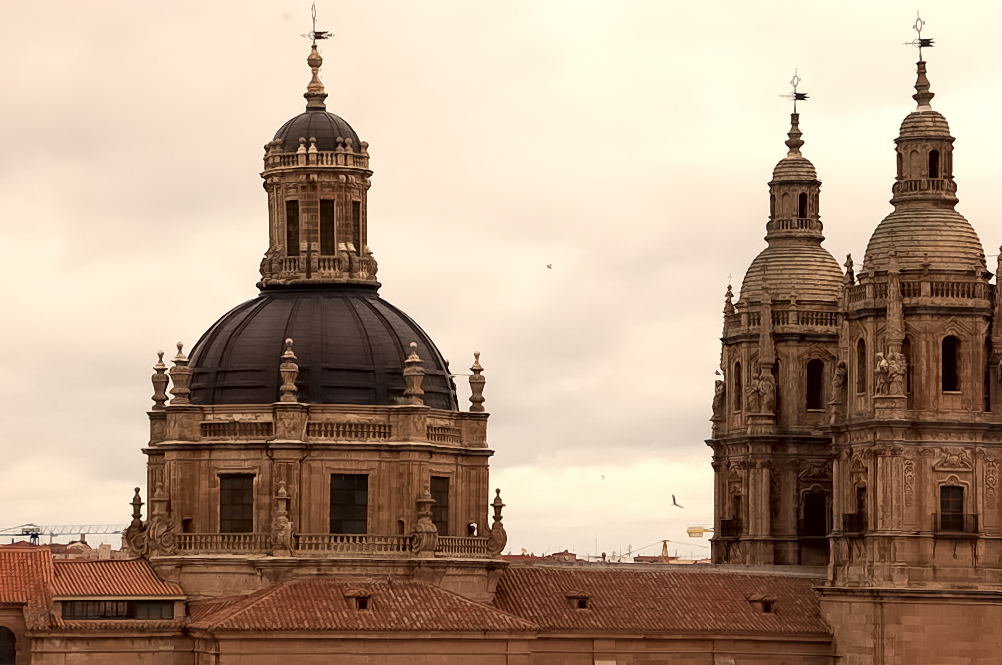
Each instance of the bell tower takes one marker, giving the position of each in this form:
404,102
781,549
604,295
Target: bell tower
771,456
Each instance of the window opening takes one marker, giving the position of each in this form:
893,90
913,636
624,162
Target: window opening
950,362
815,383
906,351
861,367
327,246
236,503
737,386
440,509
815,514
951,507
349,503
356,225
8,646
116,609
802,205
934,163
292,228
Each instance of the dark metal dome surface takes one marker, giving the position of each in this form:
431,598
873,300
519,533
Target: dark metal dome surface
351,346
326,127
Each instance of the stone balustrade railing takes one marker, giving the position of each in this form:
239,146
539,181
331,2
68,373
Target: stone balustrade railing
319,424
792,224
329,158
802,318
939,289
324,266
352,543
223,542
332,544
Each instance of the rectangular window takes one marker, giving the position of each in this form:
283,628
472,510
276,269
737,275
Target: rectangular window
236,503
356,225
440,509
327,245
118,609
349,503
292,228
951,508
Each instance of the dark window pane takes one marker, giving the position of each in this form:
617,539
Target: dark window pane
356,224
861,367
951,363
327,226
349,503
440,509
815,383
236,503
292,228
951,500
737,386
8,648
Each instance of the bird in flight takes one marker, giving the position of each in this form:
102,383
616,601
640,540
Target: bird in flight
550,266
674,502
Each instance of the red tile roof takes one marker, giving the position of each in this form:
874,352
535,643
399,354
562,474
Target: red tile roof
321,604
131,578
22,571
641,599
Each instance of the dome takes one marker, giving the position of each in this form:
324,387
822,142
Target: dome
350,345
325,127
809,271
794,169
918,124
928,234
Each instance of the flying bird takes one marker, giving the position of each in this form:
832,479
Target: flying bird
550,266
675,503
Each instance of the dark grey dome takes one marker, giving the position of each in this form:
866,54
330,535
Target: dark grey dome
351,346
326,127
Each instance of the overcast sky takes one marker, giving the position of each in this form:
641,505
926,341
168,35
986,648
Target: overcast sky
627,143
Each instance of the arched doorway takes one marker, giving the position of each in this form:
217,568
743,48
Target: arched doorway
7,646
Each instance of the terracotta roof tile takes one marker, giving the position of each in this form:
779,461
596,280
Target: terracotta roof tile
312,604
132,578
644,600
22,571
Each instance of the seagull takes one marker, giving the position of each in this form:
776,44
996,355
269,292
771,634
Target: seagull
550,266
674,502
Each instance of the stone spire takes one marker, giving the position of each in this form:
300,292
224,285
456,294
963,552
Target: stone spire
923,95
794,142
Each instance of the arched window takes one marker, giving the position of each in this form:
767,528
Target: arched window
815,383
7,646
988,374
951,508
860,366
776,382
736,386
950,364
292,228
900,164
934,163
802,205
772,206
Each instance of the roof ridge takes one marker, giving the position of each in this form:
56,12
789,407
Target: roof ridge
469,601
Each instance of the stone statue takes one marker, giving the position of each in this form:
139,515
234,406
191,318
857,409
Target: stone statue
767,389
281,533
881,376
897,368
425,535
719,399
498,537
839,383
753,396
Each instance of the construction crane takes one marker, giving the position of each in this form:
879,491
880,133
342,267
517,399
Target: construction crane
34,531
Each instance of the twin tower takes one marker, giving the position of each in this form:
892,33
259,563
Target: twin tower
858,424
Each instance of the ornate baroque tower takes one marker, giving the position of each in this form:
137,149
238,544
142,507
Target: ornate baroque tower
771,453
315,428
917,537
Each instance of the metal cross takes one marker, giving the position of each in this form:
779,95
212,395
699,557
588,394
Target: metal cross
920,41
794,95
315,34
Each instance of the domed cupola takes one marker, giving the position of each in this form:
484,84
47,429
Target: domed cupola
793,263
318,284
924,231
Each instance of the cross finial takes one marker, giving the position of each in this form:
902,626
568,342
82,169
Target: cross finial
794,95
920,42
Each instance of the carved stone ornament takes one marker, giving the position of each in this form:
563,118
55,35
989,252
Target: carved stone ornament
289,371
991,478
954,459
498,536
908,481
424,539
816,471
477,383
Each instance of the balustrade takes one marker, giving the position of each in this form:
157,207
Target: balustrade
469,546
349,431
352,543
237,430
223,542
441,434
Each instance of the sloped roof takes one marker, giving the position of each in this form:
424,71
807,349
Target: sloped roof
22,571
319,604
634,600
126,578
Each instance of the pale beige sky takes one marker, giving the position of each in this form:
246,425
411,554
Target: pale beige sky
627,143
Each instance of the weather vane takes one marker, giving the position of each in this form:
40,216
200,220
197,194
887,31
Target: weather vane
794,95
921,42
315,34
